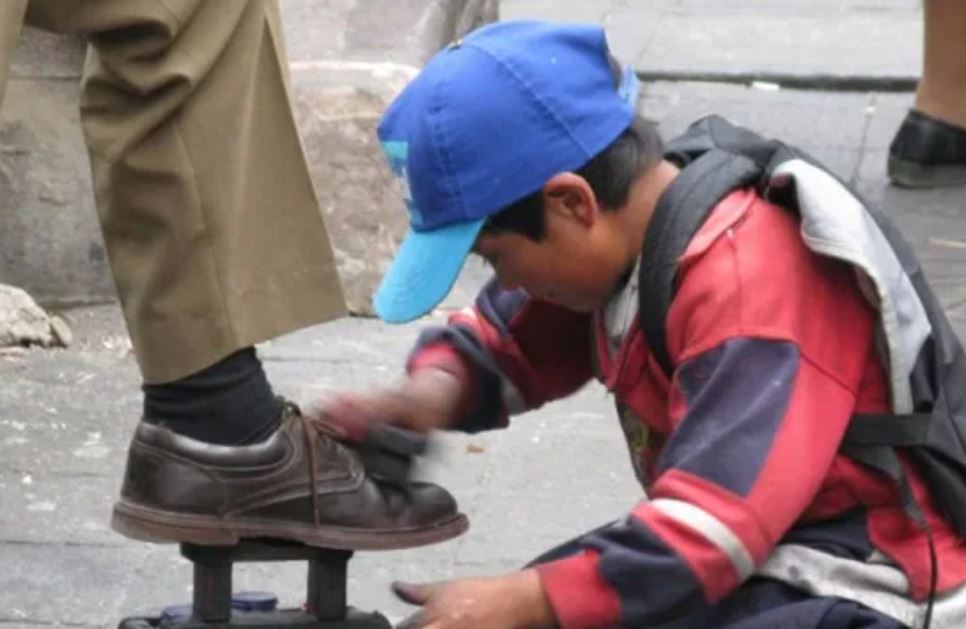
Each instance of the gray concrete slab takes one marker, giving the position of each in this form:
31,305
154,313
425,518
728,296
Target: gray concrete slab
70,412
64,582
828,125
828,40
58,506
395,31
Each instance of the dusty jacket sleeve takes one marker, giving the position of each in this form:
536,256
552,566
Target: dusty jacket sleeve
768,363
513,352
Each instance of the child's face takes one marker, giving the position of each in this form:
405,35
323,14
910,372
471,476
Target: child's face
573,266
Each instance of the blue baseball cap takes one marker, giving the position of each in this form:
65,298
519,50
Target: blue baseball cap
486,123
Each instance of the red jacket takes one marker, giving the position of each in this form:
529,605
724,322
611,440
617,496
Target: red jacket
774,350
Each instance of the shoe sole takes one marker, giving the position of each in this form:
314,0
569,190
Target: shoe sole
151,525
910,174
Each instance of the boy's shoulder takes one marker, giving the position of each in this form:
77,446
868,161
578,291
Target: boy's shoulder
744,227
748,272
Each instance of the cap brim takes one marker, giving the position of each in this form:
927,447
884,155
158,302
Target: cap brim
424,270
630,86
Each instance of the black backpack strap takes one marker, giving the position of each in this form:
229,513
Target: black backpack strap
679,214
904,431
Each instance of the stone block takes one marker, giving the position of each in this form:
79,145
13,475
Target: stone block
357,192
47,55
406,32
24,323
50,243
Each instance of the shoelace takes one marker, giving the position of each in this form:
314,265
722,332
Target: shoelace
316,430
381,469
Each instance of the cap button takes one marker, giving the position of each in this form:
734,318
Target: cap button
456,44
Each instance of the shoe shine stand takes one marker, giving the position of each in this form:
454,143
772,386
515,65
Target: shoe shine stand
211,607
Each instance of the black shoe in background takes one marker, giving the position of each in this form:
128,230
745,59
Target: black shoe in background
927,153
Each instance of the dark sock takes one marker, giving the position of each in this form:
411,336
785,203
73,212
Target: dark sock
230,402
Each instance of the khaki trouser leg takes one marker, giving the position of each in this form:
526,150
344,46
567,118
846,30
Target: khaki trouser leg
11,20
211,224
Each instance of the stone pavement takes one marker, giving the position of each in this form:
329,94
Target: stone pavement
66,415
814,42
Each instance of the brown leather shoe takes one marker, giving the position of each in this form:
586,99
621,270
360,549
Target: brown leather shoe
298,485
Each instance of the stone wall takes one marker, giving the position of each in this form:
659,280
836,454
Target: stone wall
50,243
349,58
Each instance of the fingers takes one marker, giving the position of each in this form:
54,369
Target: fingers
423,620
384,405
347,416
415,621
421,404
413,593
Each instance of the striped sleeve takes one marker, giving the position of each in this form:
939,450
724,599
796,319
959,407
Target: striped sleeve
515,354
759,427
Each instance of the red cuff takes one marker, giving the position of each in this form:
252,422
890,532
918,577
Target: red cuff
578,594
439,355
443,356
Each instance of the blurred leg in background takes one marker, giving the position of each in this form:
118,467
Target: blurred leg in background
929,150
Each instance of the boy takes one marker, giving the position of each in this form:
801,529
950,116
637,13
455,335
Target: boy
520,145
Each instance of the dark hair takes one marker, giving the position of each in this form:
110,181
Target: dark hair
610,174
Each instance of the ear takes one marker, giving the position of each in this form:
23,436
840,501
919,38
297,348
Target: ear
570,196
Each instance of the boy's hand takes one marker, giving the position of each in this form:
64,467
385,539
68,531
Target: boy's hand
514,601
429,399
389,427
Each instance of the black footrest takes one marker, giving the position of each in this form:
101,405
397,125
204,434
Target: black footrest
326,584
